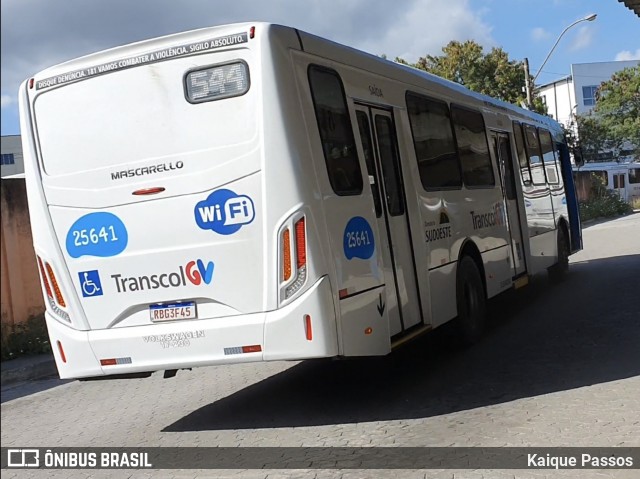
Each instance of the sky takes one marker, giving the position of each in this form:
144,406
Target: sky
36,34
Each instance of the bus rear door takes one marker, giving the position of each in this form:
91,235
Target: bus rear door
377,134
502,152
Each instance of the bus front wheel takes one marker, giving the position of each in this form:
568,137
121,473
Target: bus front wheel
471,301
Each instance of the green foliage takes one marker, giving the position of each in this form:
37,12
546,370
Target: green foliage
615,119
492,73
602,203
23,339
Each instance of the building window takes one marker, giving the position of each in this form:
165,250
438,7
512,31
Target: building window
589,95
8,159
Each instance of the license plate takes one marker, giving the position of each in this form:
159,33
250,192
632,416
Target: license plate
173,311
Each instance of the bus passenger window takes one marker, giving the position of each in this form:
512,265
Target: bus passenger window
336,133
548,155
523,160
367,146
535,156
471,139
435,148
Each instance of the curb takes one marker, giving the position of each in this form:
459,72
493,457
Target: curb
28,369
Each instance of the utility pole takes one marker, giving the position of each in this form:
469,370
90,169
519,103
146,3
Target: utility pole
527,83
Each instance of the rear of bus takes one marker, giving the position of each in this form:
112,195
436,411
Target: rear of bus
156,244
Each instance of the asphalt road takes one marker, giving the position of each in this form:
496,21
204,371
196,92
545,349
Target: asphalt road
559,366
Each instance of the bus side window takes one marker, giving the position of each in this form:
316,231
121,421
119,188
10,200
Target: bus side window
535,156
336,133
367,146
523,160
433,142
471,138
548,156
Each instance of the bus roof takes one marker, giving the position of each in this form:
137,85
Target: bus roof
180,44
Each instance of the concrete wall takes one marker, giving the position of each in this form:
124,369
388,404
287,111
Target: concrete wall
21,294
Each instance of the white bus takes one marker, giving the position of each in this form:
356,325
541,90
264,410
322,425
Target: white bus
623,179
252,192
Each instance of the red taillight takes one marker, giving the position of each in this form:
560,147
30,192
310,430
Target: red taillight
293,275
108,362
45,281
301,244
30,83
56,288
252,32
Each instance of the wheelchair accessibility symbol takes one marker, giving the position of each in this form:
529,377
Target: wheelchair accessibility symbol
90,283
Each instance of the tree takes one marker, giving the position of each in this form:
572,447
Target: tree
616,113
492,74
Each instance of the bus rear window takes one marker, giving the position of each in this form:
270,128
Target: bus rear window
336,132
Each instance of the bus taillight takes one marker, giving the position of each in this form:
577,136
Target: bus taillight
286,255
301,244
45,281
294,274
56,288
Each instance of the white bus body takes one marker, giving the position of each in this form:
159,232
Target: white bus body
253,192
621,178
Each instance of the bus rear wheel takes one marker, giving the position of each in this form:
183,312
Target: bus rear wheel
558,271
471,301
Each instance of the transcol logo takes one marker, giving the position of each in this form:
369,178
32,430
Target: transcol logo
224,212
195,272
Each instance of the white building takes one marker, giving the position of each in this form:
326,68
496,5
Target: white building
12,162
575,94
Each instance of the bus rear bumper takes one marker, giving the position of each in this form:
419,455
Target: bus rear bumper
274,335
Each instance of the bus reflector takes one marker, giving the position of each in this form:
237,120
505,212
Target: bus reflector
114,361
307,327
301,243
256,348
286,255
62,355
369,330
45,281
56,288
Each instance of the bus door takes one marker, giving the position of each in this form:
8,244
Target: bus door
619,185
502,152
377,134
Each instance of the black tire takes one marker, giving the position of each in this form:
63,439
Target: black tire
471,301
558,271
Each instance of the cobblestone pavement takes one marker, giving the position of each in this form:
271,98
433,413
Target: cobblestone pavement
560,366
